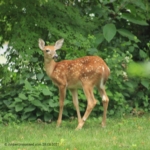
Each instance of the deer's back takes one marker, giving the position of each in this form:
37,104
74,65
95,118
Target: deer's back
73,73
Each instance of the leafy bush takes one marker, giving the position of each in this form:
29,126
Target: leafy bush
116,31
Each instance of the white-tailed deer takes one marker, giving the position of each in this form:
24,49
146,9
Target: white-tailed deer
85,72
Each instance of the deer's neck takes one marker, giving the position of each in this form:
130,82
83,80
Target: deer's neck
49,66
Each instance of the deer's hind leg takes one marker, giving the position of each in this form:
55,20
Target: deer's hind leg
91,102
105,101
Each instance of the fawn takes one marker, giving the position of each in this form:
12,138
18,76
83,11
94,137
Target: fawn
85,72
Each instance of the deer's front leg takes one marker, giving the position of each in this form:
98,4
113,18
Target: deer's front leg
62,94
76,104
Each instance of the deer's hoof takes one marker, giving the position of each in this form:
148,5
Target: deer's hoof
80,125
103,125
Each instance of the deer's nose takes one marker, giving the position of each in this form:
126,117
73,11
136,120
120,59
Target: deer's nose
55,56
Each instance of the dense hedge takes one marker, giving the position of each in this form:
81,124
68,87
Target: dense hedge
117,31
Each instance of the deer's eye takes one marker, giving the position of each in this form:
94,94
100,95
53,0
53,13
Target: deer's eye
47,51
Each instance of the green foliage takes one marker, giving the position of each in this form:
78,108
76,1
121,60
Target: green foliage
141,70
115,30
109,31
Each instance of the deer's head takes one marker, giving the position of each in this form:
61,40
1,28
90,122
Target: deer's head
50,51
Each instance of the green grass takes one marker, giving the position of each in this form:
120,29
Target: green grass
128,133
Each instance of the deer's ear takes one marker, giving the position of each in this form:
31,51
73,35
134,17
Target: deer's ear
41,44
59,44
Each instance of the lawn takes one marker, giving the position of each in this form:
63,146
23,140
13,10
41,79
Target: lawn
127,133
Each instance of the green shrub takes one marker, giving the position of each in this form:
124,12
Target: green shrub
104,28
